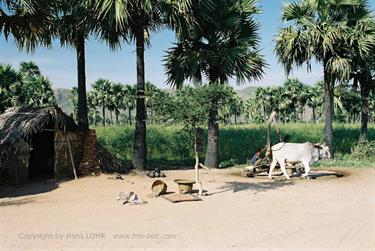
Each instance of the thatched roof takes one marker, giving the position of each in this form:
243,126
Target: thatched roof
21,123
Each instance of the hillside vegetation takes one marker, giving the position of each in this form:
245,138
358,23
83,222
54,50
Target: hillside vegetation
246,92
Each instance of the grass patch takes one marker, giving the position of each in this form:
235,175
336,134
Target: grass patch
172,146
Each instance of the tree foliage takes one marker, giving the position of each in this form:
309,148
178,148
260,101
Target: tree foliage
26,87
222,43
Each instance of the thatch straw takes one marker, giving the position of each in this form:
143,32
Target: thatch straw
21,123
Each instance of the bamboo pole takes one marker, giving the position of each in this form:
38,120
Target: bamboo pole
72,159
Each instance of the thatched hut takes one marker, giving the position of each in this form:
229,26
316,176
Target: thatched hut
38,143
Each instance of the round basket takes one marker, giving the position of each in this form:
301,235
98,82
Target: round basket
158,187
185,186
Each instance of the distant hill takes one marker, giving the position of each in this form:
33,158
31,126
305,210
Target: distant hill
246,92
63,100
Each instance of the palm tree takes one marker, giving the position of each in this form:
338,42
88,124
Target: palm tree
8,77
360,48
92,102
36,22
293,89
236,106
317,29
371,104
315,99
101,88
29,68
36,91
340,112
163,107
134,20
260,95
28,21
253,111
73,23
151,92
117,98
130,94
27,87
74,100
222,43
353,105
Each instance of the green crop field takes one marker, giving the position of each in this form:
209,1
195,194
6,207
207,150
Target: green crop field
170,145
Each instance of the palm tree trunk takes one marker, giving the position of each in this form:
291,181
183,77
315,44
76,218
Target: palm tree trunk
103,112
313,115
365,92
264,112
95,117
130,116
117,113
212,153
83,123
151,115
328,101
110,114
140,147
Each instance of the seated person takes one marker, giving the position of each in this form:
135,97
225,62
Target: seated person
256,159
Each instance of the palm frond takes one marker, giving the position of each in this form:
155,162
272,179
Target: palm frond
339,67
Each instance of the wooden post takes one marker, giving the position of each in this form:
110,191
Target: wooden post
272,119
269,123
197,180
198,147
71,158
56,127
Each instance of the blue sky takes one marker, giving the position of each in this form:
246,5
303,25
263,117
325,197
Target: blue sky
59,64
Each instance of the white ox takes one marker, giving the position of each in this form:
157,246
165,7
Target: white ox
305,153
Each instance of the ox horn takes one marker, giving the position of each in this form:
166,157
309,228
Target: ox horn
318,146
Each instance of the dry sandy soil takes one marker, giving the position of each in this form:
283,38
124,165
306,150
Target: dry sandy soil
326,213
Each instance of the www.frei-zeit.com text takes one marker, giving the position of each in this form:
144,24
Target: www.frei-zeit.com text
93,236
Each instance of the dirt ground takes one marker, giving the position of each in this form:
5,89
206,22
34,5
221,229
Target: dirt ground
326,213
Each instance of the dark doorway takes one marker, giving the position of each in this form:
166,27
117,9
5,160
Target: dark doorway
41,163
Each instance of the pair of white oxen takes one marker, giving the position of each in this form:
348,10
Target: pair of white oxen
305,153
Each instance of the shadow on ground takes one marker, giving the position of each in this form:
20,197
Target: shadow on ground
27,189
325,173
17,202
236,186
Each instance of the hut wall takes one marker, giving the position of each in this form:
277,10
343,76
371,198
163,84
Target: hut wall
14,160
90,160
63,164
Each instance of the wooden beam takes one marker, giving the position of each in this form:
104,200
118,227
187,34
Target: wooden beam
72,159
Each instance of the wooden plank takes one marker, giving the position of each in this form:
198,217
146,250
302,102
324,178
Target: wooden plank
177,197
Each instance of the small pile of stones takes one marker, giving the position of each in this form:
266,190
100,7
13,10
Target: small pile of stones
155,173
